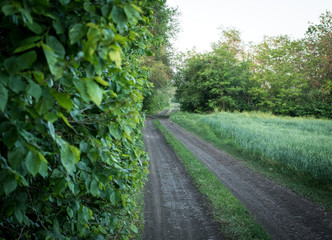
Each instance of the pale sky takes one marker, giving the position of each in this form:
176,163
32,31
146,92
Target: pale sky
200,19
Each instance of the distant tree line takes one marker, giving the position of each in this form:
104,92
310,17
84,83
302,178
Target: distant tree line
280,75
159,63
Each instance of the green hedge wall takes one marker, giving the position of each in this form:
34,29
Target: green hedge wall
71,89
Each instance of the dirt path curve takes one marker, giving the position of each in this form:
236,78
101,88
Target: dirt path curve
283,213
174,209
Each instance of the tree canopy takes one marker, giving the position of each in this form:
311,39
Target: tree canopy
281,75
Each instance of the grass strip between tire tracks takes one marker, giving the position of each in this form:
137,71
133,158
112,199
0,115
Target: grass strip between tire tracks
236,221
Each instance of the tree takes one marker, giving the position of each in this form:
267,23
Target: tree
165,27
277,72
319,67
215,80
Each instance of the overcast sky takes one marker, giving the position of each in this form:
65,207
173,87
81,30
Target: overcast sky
200,19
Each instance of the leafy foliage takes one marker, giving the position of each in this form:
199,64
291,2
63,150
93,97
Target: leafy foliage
281,75
71,91
215,80
160,63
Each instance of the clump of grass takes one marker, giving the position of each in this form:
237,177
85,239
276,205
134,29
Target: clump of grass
237,222
294,151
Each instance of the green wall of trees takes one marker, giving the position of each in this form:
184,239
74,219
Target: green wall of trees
281,75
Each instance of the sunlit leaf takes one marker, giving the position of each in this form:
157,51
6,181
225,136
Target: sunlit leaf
70,155
63,99
77,32
115,55
94,91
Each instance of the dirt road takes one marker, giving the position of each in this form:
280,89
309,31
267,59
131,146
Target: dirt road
283,213
174,209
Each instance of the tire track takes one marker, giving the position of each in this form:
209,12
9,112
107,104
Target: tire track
174,209
283,213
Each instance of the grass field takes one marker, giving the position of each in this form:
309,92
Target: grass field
236,222
295,151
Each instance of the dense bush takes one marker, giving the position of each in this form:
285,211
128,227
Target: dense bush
70,121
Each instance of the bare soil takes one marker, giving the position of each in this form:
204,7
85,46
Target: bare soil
174,208
283,213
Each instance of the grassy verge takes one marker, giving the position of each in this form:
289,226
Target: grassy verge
140,213
213,128
236,221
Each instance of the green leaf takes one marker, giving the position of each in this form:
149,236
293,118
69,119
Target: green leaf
132,13
86,213
16,84
33,162
102,229
77,32
16,156
10,136
25,47
114,130
71,186
101,81
56,46
50,117
134,228
18,214
54,53
35,27
43,170
64,119
112,198
22,62
28,18
70,212
58,28
89,7
3,98
70,155
60,186
115,55
84,146
119,17
10,185
81,87
94,189
105,10
94,91
63,99
39,76
9,10
34,90
4,78
45,103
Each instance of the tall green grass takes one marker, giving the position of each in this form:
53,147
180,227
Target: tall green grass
295,152
304,145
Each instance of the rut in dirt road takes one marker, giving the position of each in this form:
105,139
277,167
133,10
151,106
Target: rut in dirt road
174,209
283,213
